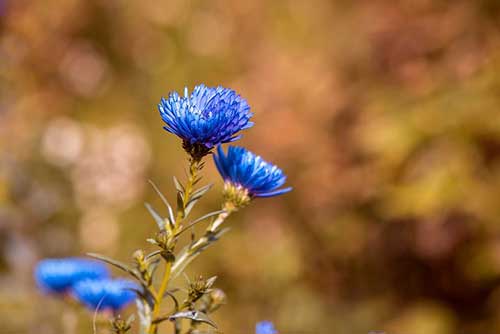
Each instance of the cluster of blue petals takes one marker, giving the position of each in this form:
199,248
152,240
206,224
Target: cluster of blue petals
106,294
59,275
210,116
243,168
265,327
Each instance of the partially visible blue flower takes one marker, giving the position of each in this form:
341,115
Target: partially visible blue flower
209,117
59,275
265,327
242,168
106,294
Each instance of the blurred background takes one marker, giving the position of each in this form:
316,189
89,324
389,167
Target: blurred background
384,114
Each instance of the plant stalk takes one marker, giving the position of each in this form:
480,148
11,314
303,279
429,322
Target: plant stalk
194,168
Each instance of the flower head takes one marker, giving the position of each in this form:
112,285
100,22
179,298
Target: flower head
106,294
265,327
247,173
59,275
209,117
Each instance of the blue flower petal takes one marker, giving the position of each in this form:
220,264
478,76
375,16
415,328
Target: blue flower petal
209,116
243,168
59,275
106,294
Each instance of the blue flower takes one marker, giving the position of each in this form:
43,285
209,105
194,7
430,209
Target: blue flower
265,327
106,294
59,275
242,168
209,117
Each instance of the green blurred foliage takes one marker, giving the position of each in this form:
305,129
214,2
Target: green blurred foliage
385,114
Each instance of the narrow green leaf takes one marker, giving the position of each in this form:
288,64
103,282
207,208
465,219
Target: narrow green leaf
153,254
202,191
152,241
146,294
171,216
163,198
220,233
153,266
200,219
180,203
165,201
178,185
158,219
210,282
118,264
183,259
189,207
195,316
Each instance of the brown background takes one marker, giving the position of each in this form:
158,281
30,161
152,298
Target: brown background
384,114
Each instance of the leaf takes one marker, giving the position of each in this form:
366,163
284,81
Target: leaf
172,296
200,219
153,266
210,282
165,201
163,198
208,215
180,203
130,319
179,186
171,216
117,264
158,219
146,294
122,266
195,316
189,207
153,254
202,191
152,241
188,254
183,259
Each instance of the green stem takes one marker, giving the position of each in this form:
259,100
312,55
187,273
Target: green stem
194,167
